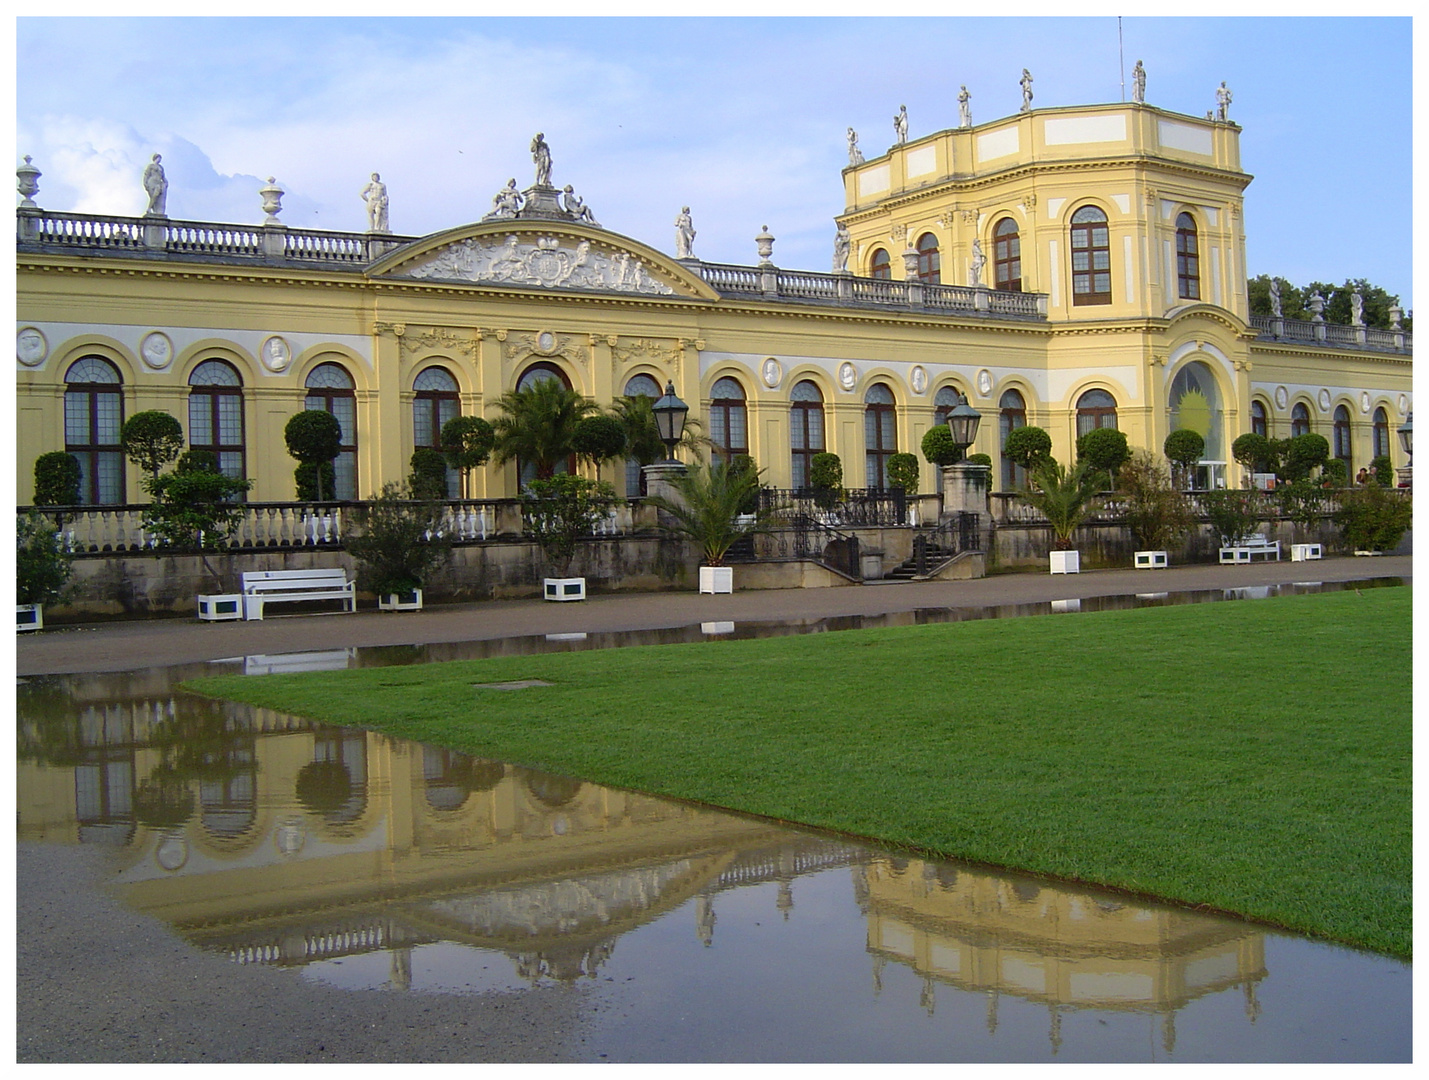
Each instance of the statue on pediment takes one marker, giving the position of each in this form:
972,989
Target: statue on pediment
541,154
1026,83
900,125
684,235
507,201
965,111
1138,84
855,155
375,196
157,187
576,207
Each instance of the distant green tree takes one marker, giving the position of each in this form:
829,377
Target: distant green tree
599,438
1294,300
1104,449
1028,446
538,425
1183,448
826,477
903,473
1256,453
428,480
1303,454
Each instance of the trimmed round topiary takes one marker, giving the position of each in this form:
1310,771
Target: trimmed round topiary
1184,447
598,438
57,478
938,447
1028,446
314,437
151,439
429,474
903,473
1104,449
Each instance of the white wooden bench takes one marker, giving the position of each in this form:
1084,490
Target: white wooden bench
262,587
1248,548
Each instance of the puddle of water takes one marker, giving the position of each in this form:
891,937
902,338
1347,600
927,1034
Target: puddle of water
369,862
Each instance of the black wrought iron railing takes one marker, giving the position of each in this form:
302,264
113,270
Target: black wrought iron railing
951,536
859,507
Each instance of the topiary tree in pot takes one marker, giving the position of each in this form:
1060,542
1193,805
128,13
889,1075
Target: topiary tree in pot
711,509
1065,497
467,443
1183,448
1155,512
1302,455
598,438
1105,450
826,478
428,479
903,473
57,479
1256,453
1028,446
195,506
314,438
940,450
561,512
151,440
1382,471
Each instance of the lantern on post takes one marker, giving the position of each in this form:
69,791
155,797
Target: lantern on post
670,413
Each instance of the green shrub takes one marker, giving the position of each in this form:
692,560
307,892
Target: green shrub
314,437
1335,473
151,440
397,541
1028,446
563,510
939,449
429,474
1382,470
57,478
1064,496
903,473
42,561
982,459
197,461
467,443
1105,450
1183,448
1157,514
744,464
709,504
826,477
1234,514
1372,518
1302,455
194,509
312,481
1302,501
598,438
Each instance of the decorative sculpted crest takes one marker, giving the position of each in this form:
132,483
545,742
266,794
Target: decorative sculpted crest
541,261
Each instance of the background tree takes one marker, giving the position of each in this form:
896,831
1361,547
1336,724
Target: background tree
1302,455
42,562
1293,298
826,478
57,478
1372,518
1029,447
642,434
1382,471
743,463
314,437
1256,453
598,438
428,480
467,441
1183,448
537,425
311,480
940,450
151,440
195,506
1105,450
1157,514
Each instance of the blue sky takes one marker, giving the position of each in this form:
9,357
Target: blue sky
742,119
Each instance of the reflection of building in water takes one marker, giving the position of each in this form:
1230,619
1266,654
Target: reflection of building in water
282,842
999,934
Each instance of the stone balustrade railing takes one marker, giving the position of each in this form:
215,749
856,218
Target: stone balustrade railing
773,283
1311,332
1008,508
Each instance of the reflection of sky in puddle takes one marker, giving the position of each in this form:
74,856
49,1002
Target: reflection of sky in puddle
371,863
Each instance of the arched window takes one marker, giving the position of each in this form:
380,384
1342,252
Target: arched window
638,386
437,401
216,414
1012,415
1095,409
880,434
1188,259
1299,419
1342,436
929,265
1194,403
879,266
1091,257
94,413
1259,420
331,389
729,427
1007,256
806,428
1381,433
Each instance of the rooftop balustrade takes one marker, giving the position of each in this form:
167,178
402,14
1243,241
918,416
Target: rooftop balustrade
1331,335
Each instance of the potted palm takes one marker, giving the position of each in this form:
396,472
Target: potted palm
1065,497
711,511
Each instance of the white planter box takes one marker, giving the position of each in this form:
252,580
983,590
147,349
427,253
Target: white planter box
408,601
29,617
1304,552
1150,560
218,607
1066,562
565,588
716,579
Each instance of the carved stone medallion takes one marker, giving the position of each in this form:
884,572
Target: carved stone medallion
31,348
1282,397
772,373
276,354
1324,400
918,379
848,376
157,350
1364,401
1403,404
984,382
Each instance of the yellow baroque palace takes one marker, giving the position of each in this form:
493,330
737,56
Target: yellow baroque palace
1067,267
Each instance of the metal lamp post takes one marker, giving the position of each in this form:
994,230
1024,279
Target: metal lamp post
963,422
670,413
1406,440
965,486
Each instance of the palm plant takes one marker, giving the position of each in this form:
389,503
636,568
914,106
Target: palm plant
537,425
1064,496
709,508
642,435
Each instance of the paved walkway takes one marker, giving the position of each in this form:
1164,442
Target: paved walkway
139,644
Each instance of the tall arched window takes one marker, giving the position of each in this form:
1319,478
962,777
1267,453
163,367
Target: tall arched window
638,386
1188,259
94,413
1381,433
880,434
929,264
729,427
880,266
1194,403
1095,409
1299,419
438,400
1342,436
1091,257
1012,415
331,389
1007,256
1259,420
216,414
806,429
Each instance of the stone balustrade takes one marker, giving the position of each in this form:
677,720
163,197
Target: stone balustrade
1331,335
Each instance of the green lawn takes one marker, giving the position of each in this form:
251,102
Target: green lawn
1251,756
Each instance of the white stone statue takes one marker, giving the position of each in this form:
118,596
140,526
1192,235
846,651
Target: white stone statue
855,155
507,201
979,260
541,154
1275,298
375,196
684,235
900,125
1356,309
965,112
1026,83
157,187
842,247
1138,84
575,206
1223,102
